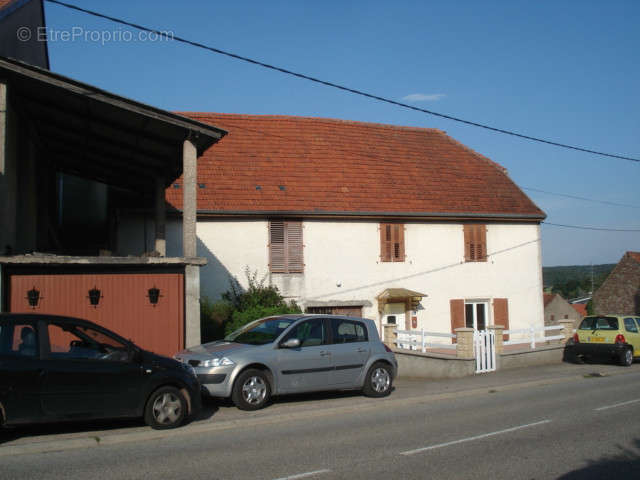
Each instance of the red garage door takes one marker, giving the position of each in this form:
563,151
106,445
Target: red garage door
124,304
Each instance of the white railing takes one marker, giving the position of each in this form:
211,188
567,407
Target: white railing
484,348
417,340
528,335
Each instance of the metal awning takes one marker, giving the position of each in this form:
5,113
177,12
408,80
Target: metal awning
91,133
400,295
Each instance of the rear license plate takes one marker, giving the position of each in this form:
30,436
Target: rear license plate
595,339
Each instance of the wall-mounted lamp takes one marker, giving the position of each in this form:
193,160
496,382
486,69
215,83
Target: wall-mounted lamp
154,295
33,296
94,297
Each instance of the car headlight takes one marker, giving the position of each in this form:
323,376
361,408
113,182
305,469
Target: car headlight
217,362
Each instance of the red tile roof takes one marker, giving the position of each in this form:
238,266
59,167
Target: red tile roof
581,308
270,163
635,256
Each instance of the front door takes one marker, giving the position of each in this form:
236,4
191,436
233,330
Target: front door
632,335
88,373
20,371
350,351
307,367
476,314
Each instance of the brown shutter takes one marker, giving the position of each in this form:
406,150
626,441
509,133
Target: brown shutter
475,243
385,242
398,243
467,243
295,257
481,243
457,315
277,257
501,313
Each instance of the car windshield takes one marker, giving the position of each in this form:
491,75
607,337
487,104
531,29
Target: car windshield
260,332
599,323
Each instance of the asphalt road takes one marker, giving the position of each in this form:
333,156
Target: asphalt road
518,425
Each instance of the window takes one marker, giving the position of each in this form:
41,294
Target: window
19,339
84,343
310,333
347,331
475,242
599,323
392,242
285,247
630,325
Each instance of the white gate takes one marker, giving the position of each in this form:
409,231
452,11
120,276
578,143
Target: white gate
484,347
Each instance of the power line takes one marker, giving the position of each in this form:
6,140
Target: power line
605,202
600,229
335,85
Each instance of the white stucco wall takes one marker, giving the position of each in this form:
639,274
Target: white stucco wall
342,263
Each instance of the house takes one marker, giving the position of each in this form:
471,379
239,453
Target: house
581,308
557,308
399,224
71,155
620,292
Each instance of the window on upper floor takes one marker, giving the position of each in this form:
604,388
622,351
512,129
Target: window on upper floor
392,242
285,247
475,242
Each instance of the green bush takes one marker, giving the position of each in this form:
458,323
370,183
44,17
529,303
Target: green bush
239,307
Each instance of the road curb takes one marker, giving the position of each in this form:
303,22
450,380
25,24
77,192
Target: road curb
97,439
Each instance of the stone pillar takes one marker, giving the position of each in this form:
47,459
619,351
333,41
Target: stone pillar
189,202
567,329
498,329
390,336
464,345
192,305
161,218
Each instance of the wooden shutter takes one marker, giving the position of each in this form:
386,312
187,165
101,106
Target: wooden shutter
277,257
285,247
475,243
293,238
385,242
392,242
457,315
501,313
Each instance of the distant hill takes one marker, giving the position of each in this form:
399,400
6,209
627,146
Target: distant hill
575,280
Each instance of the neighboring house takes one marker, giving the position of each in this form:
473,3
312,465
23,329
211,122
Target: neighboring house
620,292
399,224
581,308
557,308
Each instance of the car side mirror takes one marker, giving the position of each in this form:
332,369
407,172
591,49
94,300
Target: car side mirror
291,343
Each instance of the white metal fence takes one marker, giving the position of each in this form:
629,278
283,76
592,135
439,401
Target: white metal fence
418,340
528,335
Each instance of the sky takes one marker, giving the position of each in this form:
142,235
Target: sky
562,70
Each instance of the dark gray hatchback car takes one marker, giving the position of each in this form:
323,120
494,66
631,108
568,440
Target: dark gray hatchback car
293,354
59,368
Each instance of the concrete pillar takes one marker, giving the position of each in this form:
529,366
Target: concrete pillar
192,305
464,345
567,329
189,202
498,329
390,336
161,218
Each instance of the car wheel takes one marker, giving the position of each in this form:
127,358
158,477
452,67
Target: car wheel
166,408
626,357
378,380
251,390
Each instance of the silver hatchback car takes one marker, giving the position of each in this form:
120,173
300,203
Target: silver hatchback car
293,354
